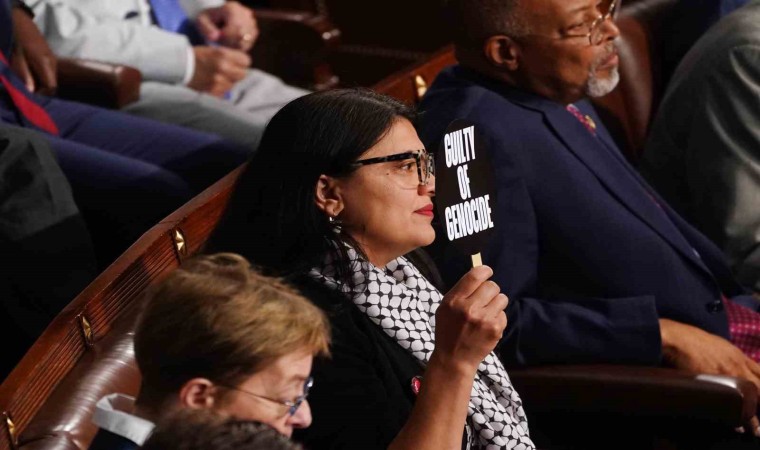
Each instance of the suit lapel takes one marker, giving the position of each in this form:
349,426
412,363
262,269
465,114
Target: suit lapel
609,167
601,157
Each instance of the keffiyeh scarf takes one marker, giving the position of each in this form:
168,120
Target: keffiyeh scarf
398,299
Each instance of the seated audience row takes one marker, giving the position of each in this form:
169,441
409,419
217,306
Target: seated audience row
123,175
193,55
126,173
336,203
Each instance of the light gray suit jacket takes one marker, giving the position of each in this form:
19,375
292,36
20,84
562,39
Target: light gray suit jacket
703,154
117,31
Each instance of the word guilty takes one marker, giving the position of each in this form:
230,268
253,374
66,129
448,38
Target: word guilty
473,215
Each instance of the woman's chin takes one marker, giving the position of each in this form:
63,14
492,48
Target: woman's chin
429,237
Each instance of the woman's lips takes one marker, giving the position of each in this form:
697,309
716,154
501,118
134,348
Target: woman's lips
426,210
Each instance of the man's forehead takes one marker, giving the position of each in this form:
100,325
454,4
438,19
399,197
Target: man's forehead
557,9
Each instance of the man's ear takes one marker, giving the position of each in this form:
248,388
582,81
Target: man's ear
502,52
197,393
327,196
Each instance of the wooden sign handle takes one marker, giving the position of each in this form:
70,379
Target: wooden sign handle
477,261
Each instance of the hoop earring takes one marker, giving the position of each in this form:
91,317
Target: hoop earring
333,219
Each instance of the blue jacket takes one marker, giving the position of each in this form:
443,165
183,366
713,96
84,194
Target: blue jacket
589,255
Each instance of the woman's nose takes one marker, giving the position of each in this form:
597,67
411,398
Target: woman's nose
302,417
429,188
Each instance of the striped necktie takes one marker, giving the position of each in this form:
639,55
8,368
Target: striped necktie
170,16
29,109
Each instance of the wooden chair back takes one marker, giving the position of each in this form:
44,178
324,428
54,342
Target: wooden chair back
410,84
86,352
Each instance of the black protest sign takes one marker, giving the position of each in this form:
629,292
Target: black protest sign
465,189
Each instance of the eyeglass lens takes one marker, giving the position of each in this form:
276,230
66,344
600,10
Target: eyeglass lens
608,10
427,166
300,399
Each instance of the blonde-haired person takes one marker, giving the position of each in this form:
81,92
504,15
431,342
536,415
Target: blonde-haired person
216,334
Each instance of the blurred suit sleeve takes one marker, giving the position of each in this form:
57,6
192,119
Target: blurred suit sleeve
724,169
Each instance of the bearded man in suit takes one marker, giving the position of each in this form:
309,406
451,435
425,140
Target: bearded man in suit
597,266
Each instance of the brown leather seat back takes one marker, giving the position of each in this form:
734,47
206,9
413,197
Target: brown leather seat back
87,352
628,110
410,84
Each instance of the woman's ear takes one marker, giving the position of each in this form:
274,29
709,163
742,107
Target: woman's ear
327,196
197,393
502,52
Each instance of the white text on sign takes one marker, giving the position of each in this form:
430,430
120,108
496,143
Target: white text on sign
473,215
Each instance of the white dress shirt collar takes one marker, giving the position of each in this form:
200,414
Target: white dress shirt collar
114,413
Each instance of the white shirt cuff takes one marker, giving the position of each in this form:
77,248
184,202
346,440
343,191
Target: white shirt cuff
190,67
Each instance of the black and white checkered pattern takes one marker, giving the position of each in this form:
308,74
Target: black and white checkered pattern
402,302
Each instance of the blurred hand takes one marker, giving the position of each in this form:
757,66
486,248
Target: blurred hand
231,25
217,69
471,319
32,59
693,349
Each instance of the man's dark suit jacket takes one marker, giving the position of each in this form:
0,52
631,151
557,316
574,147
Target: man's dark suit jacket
589,255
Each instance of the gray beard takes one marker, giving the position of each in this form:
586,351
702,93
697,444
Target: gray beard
599,87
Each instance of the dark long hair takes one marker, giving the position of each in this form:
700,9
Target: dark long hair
272,218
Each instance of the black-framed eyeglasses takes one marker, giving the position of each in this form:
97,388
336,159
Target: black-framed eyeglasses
291,405
424,161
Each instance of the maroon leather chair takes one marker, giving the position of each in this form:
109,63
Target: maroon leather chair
629,110
101,84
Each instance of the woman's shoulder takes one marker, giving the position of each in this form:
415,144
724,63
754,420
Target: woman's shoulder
354,335
347,323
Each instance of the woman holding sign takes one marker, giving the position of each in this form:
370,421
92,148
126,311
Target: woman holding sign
339,191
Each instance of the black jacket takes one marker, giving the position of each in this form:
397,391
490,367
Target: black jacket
362,395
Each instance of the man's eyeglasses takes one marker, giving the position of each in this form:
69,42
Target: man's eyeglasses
287,407
422,159
608,10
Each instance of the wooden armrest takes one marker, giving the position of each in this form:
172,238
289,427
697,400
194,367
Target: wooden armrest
294,45
636,391
98,83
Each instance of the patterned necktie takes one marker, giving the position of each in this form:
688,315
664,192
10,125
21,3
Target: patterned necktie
30,110
582,118
170,16
744,328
